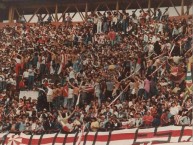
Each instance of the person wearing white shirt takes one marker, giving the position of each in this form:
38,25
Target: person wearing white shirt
138,120
115,21
131,121
25,74
185,120
141,88
49,94
70,100
71,74
160,28
174,109
175,32
99,23
145,38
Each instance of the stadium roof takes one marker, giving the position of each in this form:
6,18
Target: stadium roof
13,8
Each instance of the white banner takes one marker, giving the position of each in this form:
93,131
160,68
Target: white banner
29,94
169,135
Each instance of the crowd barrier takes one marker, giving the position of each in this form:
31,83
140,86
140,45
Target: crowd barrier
162,135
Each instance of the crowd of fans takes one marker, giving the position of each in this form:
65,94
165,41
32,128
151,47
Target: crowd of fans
79,70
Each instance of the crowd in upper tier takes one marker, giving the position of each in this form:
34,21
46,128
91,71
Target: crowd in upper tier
116,70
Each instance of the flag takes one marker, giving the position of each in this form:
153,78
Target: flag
176,74
78,99
2,136
189,84
65,91
174,71
13,139
89,89
161,135
81,135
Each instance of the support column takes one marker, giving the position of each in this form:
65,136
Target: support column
182,7
117,6
86,12
56,13
188,9
149,6
63,17
11,14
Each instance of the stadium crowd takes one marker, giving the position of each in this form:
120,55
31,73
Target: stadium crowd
114,71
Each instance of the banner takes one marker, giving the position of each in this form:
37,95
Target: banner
28,94
168,135
189,84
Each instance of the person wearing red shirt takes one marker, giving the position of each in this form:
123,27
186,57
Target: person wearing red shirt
65,94
21,84
112,36
148,119
164,118
153,111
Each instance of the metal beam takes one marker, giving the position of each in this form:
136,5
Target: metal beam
188,8
182,7
159,5
53,17
165,11
44,16
96,8
63,13
74,15
17,12
117,6
56,12
149,8
129,5
86,11
82,16
34,14
155,9
174,7
149,5
107,7
49,13
139,5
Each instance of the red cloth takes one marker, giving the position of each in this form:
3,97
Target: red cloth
65,128
21,84
164,117
17,68
46,84
112,35
148,119
65,91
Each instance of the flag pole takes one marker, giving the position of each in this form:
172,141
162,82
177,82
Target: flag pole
78,99
124,88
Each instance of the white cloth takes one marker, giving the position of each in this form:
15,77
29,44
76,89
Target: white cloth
70,93
25,74
174,110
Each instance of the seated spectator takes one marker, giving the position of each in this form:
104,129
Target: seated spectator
138,120
147,119
165,118
184,120
94,124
